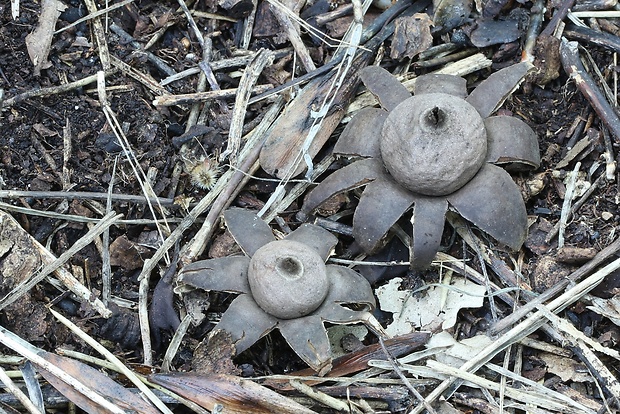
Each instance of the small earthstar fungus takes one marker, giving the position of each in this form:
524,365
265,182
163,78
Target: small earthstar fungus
283,284
439,149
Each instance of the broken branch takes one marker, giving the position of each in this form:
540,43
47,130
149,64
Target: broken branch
575,69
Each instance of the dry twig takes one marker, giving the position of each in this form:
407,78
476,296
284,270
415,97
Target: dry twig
230,184
246,84
32,353
18,393
520,331
511,319
568,199
52,90
114,360
576,206
189,98
575,69
396,367
100,36
54,266
294,37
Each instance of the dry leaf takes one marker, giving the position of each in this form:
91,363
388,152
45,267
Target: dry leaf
286,138
446,408
98,382
566,368
128,254
233,394
548,271
44,131
358,360
39,42
494,32
574,152
214,354
424,310
454,353
412,35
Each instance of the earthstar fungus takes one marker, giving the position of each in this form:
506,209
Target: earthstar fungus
283,284
439,149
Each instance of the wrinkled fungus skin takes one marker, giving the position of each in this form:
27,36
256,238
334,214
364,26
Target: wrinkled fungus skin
437,150
283,284
288,279
433,144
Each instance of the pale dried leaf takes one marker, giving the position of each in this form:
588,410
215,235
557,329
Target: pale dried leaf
581,185
566,368
455,353
423,310
610,308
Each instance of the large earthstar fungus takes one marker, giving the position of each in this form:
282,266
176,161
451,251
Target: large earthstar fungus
283,284
437,150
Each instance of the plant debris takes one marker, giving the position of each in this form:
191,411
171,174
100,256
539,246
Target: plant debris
130,130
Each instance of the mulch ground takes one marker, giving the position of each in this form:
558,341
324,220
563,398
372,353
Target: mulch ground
70,155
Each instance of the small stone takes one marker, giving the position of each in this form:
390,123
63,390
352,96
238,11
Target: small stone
606,215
